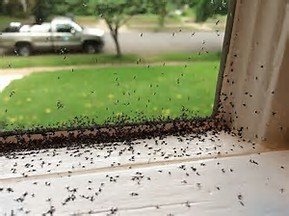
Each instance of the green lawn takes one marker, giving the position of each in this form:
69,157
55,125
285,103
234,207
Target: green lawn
85,59
102,93
4,22
63,60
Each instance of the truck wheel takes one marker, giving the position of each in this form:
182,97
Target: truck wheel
91,48
23,50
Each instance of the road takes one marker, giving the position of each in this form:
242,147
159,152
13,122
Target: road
164,42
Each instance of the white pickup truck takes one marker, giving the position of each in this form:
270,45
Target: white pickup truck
62,34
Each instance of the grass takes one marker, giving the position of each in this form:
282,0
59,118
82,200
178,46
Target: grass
84,59
103,93
4,21
63,60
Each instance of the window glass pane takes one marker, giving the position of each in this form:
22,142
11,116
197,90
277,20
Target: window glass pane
63,28
125,61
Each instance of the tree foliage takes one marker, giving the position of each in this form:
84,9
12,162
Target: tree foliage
13,8
208,8
159,7
2,11
190,3
41,10
63,7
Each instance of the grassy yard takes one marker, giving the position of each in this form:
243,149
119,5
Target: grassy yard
103,93
4,21
85,59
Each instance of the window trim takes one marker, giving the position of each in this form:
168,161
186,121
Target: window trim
225,51
12,141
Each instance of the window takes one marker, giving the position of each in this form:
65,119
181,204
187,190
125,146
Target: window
195,171
64,28
145,69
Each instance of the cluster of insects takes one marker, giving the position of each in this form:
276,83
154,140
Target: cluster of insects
36,168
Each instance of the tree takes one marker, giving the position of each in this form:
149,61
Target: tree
80,7
208,8
190,3
162,8
41,10
116,13
2,7
159,7
14,8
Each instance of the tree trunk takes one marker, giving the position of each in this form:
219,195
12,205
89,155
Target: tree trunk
161,21
114,35
162,15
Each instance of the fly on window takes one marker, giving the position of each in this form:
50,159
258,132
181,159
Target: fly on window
91,64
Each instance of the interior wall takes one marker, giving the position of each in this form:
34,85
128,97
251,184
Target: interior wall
277,127
255,89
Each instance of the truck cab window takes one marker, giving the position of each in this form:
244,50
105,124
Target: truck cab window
64,28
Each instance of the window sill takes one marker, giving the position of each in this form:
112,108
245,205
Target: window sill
164,178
